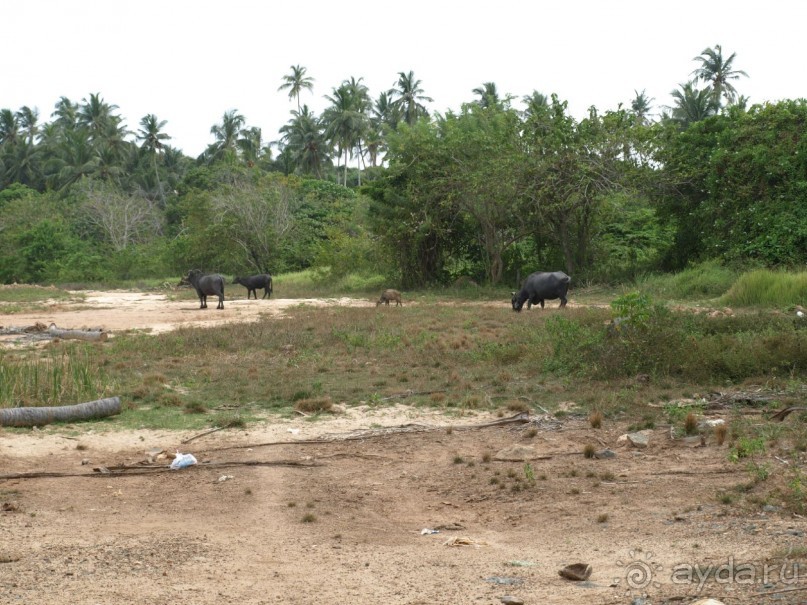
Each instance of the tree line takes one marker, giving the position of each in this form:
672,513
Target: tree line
486,191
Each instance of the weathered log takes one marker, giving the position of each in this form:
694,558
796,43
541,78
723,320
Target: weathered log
97,334
39,416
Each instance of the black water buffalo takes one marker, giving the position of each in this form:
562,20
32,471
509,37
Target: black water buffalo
388,295
541,286
253,282
206,285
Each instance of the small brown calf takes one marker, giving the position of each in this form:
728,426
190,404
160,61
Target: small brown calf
388,295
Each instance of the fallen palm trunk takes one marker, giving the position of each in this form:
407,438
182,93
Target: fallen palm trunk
94,334
39,416
40,330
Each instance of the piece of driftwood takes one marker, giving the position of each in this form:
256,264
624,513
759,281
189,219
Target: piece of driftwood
782,414
207,432
93,334
520,418
411,393
39,416
129,470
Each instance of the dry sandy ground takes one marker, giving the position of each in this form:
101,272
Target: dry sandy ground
341,521
120,310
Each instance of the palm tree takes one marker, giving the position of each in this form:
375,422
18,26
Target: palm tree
362,105
488,95
106,133
152,145
75,158
27,119
296,81
9,127
385,112
641,106
408,98
345,120
718,72
251,145
151,135
23,165
535,102
692,105
96,115
227,134
66,114
304,143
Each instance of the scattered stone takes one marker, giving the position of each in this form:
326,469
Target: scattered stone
770,508
511,600
605,454
85,461
707,601
710,423
640,439
576,572
155,454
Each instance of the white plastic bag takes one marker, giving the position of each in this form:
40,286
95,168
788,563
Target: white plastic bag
182,460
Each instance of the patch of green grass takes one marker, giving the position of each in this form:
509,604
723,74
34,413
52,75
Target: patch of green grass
746,447
764,287
705,281
26,295
317,283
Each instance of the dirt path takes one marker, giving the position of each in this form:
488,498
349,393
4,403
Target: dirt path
346,526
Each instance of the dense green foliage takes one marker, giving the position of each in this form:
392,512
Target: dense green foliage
486,192
740,186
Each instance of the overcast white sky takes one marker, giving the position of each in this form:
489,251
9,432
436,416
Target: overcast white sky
189,61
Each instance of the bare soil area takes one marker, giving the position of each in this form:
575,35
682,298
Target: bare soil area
334,511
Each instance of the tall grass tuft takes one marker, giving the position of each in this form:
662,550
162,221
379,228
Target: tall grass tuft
768,288
64,376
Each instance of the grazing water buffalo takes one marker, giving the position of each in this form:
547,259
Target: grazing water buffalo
388,295
541,286
206,285
254,282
